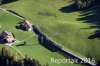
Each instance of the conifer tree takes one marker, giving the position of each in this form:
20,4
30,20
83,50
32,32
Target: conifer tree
14,60
81,4
5,51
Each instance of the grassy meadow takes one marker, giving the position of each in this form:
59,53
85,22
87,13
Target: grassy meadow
34,49
59,22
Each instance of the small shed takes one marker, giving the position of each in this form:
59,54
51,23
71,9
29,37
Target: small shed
28,25
7,37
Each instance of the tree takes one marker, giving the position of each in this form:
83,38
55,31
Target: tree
15,57
26,59
5,56
21,63
0,1
5,51
81,4
25,42
15,60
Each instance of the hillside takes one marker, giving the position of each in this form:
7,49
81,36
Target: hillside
33,48
63,24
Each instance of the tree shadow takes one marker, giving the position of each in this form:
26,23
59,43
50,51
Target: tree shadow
96,34
21,45
20,26
47,44
8,1
11,11
92,16
69,9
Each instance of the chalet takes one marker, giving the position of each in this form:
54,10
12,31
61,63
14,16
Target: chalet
27,25
7,37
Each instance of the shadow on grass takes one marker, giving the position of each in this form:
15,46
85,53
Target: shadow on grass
68,9
42,40
8,1
95,35
20,26
66,54
92,16
2,42
22,45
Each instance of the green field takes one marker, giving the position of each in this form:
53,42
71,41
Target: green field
63,28
34,50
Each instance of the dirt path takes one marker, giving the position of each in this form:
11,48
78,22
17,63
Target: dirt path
10,45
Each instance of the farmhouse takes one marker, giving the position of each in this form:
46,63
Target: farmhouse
27,25
7,37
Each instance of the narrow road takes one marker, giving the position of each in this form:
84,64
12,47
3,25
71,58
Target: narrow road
11,13
10,45
16,50
91,64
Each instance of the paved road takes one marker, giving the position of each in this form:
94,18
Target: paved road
12,13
